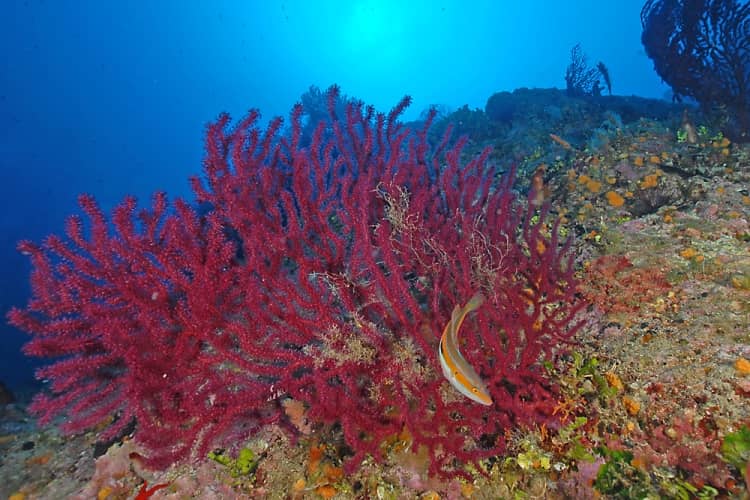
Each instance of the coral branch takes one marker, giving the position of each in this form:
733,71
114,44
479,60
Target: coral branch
322,273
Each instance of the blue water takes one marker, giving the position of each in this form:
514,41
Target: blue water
112,98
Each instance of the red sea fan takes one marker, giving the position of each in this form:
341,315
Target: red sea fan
136,317
323,273
362,244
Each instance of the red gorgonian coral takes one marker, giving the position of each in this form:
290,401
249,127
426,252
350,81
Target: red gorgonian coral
324,274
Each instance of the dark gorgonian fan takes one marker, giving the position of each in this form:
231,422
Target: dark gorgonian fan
701,48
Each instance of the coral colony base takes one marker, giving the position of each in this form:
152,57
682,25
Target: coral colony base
323,275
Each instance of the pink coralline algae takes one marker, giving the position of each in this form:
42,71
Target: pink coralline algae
324,274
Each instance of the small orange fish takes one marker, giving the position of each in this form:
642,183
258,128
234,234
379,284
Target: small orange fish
562,142
455,368
537,186
691,134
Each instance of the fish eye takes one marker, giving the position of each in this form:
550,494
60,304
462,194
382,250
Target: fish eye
474,390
